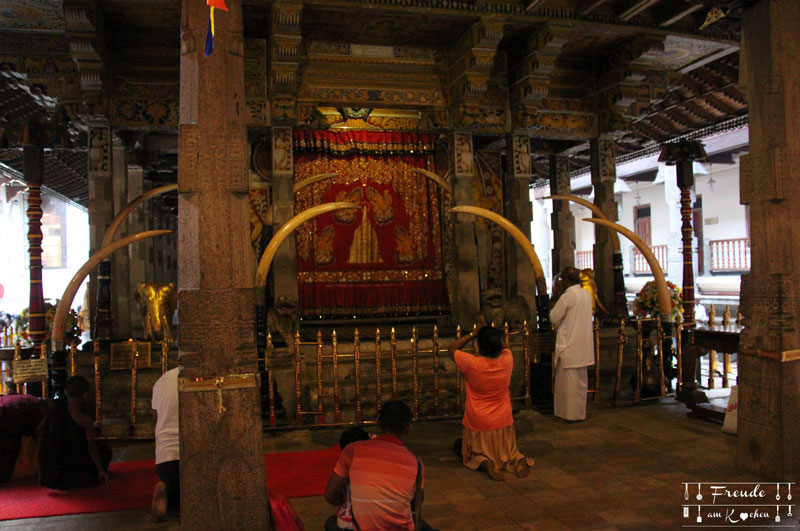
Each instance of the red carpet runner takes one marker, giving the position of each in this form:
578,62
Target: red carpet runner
293,474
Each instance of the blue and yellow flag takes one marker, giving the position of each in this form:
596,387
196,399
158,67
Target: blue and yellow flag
210,35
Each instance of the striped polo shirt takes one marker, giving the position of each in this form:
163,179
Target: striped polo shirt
383,476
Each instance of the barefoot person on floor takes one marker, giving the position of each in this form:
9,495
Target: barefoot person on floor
489,441
167,493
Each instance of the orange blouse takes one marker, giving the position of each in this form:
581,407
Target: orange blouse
487,379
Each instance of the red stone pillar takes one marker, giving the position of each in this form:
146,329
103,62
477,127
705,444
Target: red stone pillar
223,481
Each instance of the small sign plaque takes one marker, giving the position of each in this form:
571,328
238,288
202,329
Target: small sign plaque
34,370
711,221
123,353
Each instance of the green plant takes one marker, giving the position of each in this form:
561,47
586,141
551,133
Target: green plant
646,302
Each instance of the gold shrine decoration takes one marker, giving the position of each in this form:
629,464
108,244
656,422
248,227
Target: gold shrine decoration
112,229
219,384
658,273
519,237
596,210
60,319
282,233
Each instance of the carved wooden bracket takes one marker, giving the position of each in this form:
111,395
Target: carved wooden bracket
532,81
284,59
83,27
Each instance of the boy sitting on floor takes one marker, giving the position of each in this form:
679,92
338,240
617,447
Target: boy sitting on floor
343,519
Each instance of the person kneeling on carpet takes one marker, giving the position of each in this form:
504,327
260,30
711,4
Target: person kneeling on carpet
69,455
386,479
343,519
167,492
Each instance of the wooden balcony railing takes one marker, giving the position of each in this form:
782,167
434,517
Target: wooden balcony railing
730,255
640,265
584,259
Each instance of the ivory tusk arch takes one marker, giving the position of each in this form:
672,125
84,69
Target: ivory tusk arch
435,178
269,253
658,273
113,227
64,304
598,212
519,237
313,179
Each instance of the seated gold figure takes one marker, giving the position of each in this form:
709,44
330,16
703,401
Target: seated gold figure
157,303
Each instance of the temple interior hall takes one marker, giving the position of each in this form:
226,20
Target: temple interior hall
304,212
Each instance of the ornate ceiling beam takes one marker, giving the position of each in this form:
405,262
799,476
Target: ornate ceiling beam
472,67
681,13
636,9
586,7
284,58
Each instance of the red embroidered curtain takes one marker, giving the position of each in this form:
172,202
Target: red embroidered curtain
384,259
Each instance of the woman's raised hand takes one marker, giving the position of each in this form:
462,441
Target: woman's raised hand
481,322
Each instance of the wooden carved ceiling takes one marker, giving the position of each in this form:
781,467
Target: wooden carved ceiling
562,71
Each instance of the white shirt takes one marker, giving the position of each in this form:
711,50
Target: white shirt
572,317
165,402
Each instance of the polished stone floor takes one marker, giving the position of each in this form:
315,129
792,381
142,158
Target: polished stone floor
622,468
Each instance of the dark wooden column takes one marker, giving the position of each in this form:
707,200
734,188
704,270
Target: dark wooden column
34,171
682,155
562,221
223,481
768,440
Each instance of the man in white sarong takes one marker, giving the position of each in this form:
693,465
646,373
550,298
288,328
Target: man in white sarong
571,315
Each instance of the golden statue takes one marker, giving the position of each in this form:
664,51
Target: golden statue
587,283
157,303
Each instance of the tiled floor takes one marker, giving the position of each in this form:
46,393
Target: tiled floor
620,469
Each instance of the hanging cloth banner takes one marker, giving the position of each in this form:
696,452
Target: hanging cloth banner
214,4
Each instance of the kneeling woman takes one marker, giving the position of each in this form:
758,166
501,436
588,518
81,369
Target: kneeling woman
489,441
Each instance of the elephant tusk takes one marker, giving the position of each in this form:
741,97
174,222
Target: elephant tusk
285,230
313,179
519,237
435,178
658,274
598,212
64,304
111,231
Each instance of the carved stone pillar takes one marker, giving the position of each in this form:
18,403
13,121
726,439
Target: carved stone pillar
466,305
222,458
284,266
768,441
562,221
521,279
122,308
607,261
137,252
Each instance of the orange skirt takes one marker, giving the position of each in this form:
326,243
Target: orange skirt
498,446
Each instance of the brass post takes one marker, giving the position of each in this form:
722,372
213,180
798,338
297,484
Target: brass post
435,370
458,376
622,340
726,316
320,409
18,356
596,331
337,411
712,367
661,376
377,370
526,360
505,333
98,398
134,368
678,331
639,354
268,350
712,314
46,382
164,356
73,360
273,421
393,344
414,375
297,381
357,362
726,367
